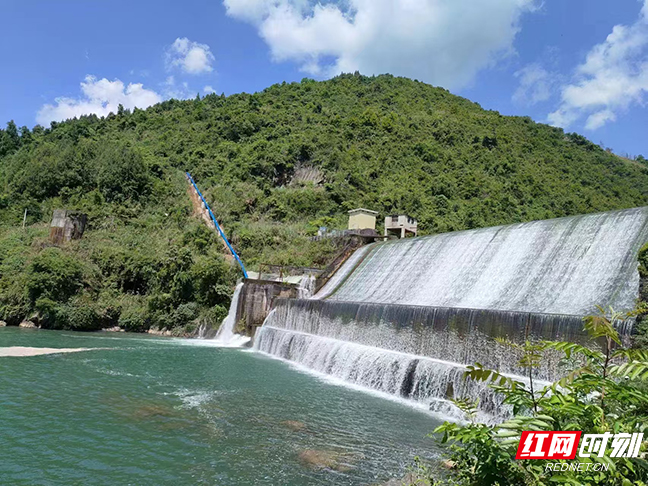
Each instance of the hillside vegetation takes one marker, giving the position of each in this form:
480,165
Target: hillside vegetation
274,165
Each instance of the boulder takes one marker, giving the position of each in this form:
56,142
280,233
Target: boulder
320,459
294,425
315,459
27,325
159,332
3,324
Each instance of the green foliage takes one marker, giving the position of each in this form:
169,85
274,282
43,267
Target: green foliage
604,392
121,173
641,339
274,166
53,275
386,143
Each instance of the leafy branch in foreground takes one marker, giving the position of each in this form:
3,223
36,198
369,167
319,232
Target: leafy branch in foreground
604,391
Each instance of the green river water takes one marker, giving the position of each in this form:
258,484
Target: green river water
147,411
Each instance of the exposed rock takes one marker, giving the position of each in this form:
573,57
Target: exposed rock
448,464
338,461
159,332
3,324
307,173
27,325
67,225
113,329
294,425
150,411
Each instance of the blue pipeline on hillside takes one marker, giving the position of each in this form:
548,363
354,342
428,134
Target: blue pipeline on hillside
218,228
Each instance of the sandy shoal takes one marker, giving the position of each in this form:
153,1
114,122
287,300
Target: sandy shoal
17,351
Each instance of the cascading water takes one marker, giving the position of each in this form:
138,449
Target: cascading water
460,290
202,328
343,272
558,266
226,337
418,353
424,380
306,287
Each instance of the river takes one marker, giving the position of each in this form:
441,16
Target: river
141,410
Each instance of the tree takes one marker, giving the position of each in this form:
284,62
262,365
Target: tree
9,139
121,173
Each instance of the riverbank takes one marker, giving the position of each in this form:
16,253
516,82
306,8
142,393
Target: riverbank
180,332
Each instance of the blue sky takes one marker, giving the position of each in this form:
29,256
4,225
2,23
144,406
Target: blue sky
580,64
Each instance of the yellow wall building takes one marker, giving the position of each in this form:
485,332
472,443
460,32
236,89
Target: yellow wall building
362,219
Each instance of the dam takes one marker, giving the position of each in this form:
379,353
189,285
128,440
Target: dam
405,317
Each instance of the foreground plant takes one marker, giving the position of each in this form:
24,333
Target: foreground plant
603,391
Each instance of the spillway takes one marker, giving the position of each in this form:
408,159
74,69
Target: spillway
560,266
406,317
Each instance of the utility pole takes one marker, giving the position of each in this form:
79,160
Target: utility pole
25,218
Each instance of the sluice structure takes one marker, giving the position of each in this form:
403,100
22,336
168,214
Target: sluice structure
405,317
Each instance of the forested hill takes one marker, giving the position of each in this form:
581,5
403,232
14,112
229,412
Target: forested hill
275,165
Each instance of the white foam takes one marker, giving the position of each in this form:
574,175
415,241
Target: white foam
226,337
541,266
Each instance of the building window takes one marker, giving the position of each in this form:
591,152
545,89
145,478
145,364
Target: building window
394,219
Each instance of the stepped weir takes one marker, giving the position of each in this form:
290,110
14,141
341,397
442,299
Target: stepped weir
405,317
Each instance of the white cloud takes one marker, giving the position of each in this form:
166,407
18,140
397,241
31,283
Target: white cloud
191,57
613,77
179,91
444,42
208,90
99,97
535,84
600,118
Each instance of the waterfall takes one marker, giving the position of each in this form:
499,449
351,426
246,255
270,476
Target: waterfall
306,287
343,272
558,266
461,336
429,382
226,337
413,352
202,327
406,317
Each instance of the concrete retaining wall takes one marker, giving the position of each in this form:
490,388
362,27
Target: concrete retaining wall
255,302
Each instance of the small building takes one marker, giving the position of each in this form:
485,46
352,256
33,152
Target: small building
400,225
67,225
360,219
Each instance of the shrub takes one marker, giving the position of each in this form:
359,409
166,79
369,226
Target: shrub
599,394
121,173
82,316
133,317
184,314
54,275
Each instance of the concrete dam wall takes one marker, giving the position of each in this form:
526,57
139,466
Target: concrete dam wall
406,317
558,266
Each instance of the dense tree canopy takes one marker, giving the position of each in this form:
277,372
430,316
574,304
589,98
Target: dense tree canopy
274,165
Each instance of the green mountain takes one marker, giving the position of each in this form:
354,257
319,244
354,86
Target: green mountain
274,165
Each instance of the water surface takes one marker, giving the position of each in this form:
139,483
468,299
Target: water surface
162,411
